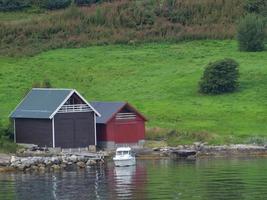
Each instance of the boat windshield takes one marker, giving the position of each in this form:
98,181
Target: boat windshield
121,153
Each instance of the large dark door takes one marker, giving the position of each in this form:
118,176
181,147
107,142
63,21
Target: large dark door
80,138
65,129
74,130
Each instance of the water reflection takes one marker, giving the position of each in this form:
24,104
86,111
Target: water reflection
127,182
233,179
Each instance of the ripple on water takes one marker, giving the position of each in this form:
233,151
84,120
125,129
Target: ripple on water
214,179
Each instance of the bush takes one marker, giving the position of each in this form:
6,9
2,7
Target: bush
13,5
43,84
55,4
85,2
220,77
137,15
251,33
46,84
255,6
6,131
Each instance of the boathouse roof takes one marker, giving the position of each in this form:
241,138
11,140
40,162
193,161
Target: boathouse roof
43,103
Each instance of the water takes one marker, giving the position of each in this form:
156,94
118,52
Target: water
207,179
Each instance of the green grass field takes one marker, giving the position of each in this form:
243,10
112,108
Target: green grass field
159,79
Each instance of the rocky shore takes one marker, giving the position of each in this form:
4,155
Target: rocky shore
51,160
44,161
198,150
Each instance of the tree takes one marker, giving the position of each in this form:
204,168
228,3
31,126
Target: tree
255,6
220,77
55,4
13,5
251,33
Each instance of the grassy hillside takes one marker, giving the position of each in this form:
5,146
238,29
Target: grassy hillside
118,22
159,79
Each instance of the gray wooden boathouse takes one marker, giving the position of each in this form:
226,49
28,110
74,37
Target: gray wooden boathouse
55,118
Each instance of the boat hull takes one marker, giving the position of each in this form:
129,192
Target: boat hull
124,162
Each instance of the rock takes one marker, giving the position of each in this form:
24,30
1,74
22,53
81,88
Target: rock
92,148
91,162
27,163
27,169
55,167
15,164
63,165
55,160
41,165
48,162
41,168
156,149
34,167
21,167
81,158
64,159
81,164
197,144
13,159
70,163
73,158
20,151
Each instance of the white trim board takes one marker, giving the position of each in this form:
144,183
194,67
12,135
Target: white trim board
53,133
14,124
66,99
62,103
97,113
95,129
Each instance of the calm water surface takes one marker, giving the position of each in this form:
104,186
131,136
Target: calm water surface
208,179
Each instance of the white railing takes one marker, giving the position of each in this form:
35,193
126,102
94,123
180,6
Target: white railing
75,108
121,116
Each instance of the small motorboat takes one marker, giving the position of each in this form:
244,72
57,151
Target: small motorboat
124,157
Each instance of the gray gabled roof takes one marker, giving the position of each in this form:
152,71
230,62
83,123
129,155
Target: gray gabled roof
43,103
107,110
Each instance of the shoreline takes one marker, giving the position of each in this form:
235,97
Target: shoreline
202,151
51,162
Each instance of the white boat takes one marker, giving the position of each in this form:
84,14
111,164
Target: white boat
124,157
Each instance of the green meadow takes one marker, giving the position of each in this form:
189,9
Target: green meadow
161,80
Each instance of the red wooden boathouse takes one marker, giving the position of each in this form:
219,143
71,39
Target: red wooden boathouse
120,124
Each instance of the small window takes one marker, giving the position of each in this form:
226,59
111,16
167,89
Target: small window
121,153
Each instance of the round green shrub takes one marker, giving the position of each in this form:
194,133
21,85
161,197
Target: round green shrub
55,4
220,77
13,5
251,33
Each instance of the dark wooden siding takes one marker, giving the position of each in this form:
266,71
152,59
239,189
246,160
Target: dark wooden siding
74,130
101,132
34,131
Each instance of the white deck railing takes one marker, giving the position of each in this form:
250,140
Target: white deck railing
75,108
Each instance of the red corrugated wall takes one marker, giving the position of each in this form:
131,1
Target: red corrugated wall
122,131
